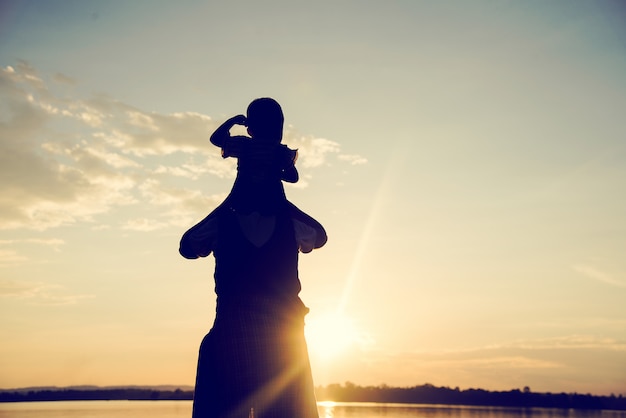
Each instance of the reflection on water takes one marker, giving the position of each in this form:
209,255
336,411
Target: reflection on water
375,410
182,409
97,409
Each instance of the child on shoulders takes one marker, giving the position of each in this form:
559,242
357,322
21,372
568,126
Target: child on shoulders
257,195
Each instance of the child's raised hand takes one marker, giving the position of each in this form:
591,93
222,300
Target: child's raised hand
239,120
222,133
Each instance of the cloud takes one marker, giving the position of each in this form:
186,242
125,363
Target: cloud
176,206
587,342
38,190
13,288
595,274
54,243
506,365
316,152
312,151
157,134
10,257
495,362
353,159
66,159
38,293
144,224
63,79
572,341
223,168
529,352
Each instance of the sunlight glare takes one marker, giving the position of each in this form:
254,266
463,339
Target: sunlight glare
330,335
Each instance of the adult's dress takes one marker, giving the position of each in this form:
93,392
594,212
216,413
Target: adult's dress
255,358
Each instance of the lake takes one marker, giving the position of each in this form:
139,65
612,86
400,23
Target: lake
182,409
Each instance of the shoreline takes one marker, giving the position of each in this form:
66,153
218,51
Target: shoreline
350,393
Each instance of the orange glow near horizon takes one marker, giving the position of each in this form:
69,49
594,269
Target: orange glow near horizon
330,335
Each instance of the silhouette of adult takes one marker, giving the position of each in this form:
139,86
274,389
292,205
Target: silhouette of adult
254,360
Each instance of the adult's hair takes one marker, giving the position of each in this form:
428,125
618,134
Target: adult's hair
265,119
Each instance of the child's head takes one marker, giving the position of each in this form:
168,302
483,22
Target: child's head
265,119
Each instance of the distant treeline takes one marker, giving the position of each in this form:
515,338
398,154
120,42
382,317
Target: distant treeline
102,394
348,392
429,394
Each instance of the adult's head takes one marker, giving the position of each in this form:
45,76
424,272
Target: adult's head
265,119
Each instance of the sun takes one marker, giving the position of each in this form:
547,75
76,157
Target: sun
330,335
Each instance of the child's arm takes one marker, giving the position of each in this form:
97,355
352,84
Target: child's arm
290,172
222,134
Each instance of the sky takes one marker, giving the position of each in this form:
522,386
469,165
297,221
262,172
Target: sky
468,160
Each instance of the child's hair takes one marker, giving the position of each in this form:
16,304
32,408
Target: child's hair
265,119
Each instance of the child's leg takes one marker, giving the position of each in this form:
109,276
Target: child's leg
308,220
200,240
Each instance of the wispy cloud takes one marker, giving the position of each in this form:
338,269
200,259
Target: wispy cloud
9,256
40,188
66,159
51,242
596,274
312,152
496,362
144,224
524,348
574,341
38,293
353,159
508,364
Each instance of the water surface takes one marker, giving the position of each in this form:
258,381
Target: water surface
182,409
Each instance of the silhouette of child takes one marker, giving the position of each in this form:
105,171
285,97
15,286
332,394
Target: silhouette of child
262,161
257,195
